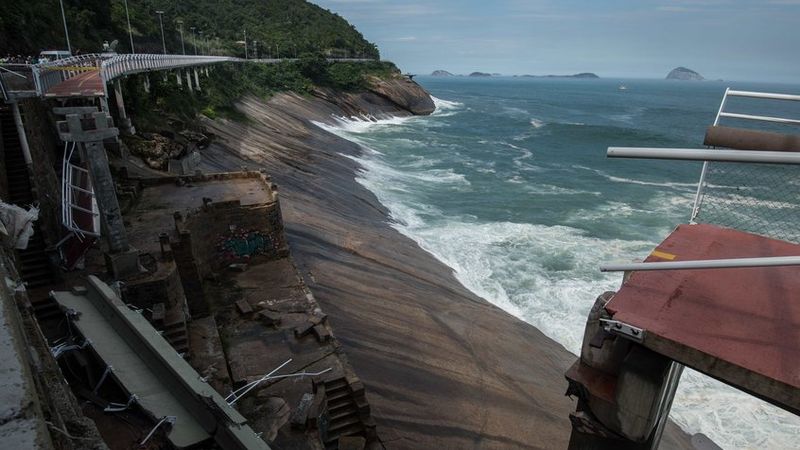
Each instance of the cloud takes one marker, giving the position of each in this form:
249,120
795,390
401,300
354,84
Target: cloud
403,39
676,9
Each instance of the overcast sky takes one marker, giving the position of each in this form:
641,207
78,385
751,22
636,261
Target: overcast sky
729,39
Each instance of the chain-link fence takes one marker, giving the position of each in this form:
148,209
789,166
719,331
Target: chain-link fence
759,198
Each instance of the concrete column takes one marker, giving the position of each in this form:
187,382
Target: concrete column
23,138
196,80
102,182
624,390
104,105
122,261
146,83
178,77
189,80
106,197
124,121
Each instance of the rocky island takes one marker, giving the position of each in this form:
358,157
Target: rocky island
441,73
577,75
684,74
480,74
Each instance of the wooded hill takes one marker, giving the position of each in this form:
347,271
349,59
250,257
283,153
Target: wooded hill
281,27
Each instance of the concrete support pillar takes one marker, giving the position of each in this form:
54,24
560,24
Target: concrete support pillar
146,83
624,390
106,195
196,80
178,77
189,80
23,138
104,105
121,260
124,121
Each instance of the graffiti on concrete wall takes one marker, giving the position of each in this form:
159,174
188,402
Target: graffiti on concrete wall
243,244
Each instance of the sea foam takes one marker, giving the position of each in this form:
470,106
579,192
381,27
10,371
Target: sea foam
547,275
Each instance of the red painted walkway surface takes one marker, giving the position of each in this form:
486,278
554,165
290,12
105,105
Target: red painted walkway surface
741,326
86,84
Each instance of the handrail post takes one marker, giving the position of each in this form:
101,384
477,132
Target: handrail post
698,198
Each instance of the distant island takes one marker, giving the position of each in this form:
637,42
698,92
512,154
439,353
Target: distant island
577,75
480,74
441,73
682,73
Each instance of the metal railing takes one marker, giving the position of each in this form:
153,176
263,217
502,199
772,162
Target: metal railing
121,65
78,198
46,75
49,74
3,91
16,80
752,190
722,113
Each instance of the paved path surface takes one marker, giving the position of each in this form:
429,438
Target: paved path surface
86,84
741,326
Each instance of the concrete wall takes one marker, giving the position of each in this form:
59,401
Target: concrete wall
32,387
45,155
20,412
3,178
227,233
219,234
163,286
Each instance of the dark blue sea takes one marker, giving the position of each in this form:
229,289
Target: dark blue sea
508,183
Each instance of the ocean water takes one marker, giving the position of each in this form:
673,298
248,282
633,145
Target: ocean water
508,184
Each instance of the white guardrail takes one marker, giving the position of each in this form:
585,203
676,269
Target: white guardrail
721,113
121,65
46,75
49,74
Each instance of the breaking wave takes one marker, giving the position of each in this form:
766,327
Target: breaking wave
547,274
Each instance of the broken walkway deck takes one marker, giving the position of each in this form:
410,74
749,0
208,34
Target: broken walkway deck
740,326
148,367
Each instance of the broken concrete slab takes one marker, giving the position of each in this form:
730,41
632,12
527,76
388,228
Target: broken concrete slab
352,443
244,307
299,418
269,318
146,366
321,333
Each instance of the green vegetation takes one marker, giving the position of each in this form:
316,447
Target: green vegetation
229,82
283,28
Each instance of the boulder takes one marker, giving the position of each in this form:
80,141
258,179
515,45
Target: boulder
404,93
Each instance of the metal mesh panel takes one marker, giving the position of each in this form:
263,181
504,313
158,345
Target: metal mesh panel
759,198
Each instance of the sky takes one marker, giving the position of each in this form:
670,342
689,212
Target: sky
746,40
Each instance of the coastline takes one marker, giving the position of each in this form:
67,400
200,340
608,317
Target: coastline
442,366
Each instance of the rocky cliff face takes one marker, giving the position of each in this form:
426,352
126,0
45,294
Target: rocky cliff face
441,366
404,93
682,73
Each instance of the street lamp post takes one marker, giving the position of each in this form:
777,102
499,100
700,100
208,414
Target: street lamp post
201,42
245,44
194,41
66,31
160,21
180,27
130,31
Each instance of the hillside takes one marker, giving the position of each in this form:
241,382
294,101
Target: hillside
287,27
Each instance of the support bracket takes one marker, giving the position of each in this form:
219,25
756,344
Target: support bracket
623,329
